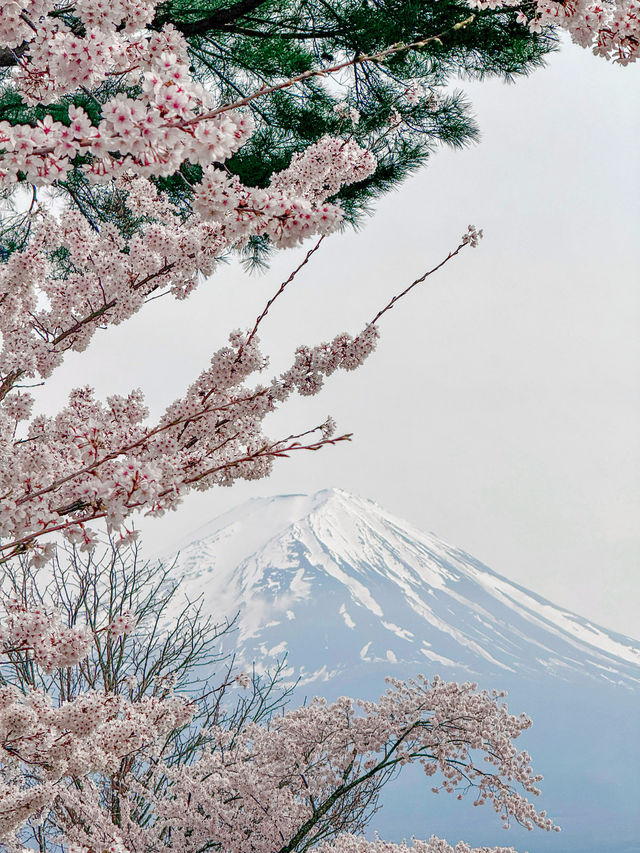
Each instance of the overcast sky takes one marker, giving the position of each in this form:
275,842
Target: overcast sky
502,407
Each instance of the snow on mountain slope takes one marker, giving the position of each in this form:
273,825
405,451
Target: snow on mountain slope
337,582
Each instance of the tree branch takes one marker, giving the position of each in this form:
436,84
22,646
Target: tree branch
274,34
215,20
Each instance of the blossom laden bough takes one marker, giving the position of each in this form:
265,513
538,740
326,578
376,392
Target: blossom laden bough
104,461
278,787
611,28
105,279
50,643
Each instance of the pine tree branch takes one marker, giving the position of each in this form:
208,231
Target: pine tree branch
215,20
274,34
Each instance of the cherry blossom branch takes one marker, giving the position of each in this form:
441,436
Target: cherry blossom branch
99,312
167,253
9,550
471,238
212,436
274,451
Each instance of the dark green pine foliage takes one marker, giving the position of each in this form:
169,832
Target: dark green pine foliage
238,47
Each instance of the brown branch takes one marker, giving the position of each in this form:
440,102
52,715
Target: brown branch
270,452
85,320
8,382
342,791
111,304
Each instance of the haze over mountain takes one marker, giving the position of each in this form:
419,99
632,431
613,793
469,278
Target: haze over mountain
350,594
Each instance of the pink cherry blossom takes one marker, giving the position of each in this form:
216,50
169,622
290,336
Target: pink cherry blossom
611,28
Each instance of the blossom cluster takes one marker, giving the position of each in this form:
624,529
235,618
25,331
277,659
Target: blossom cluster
610,27
121,625
60,62
50,643
151,134
113,845
351,114
43,743
90,734
19,18
15,16
47,310
129,15
261,787
169,121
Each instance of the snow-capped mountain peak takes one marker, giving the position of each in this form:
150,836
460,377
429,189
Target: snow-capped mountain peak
339,584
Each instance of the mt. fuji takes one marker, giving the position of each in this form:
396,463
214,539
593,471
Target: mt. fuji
369,588
350,594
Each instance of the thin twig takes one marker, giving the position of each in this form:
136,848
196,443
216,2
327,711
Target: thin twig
276,294
399,296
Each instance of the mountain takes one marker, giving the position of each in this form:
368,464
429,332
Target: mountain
370,588
350,594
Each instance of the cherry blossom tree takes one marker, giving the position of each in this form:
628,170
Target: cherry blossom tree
102,665
115,733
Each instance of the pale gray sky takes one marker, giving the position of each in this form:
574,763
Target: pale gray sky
501,409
